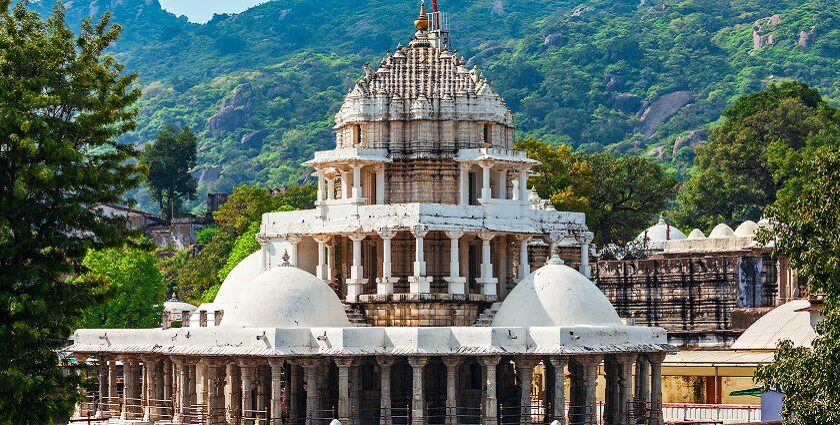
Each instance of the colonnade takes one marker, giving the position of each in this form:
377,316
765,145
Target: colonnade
419,278
494,182
216,390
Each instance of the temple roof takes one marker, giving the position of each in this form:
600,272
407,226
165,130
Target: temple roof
556,295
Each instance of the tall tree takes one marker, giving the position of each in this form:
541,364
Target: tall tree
806,229
135,286
738,172
620,195
627,194
563,176
169,160
63,103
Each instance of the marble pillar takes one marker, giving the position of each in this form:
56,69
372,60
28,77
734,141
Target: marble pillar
418,399
343,365
490,398
385,364
457,284
487,281
419,283
233,393
248,376
590,377
275,410
656,360
385,284
452,364
559,363
356,282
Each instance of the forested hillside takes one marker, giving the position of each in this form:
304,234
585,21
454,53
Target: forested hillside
260,88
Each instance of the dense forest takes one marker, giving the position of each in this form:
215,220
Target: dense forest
259,88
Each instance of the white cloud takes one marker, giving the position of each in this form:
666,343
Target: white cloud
202,11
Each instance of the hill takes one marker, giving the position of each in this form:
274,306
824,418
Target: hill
648,77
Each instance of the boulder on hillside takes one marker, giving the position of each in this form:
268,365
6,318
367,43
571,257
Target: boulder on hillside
657,152
663,108
807,38
206,175
254,138
613,82
234,112
554,39
763,28
628,103
692,140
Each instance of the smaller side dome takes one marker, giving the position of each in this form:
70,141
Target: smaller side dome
721,231
790,321
287,297
696,234
244,272
556,295
747,228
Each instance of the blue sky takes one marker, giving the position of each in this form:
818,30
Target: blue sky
202,10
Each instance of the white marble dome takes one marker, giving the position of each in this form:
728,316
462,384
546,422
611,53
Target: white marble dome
747,228
661,232
696,234
241,275
721,231
556,295
287,297
789,321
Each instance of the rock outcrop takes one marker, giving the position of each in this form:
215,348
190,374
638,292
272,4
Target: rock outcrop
807,38
206,175
692,139
662,109
554,39
763,28
234,112
254,139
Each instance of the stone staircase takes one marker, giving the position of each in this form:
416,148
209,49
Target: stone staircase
357,318
485,319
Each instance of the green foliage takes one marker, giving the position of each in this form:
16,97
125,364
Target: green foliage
563,176
204,235
168,161
620,195
245,245
583,78
135,289
202,275
628,192
807,231
63,104
752,154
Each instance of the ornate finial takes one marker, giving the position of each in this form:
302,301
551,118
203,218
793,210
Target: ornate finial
286,258
556,260
661,219
423,23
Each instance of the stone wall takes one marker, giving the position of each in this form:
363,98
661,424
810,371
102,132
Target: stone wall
409,310
693,293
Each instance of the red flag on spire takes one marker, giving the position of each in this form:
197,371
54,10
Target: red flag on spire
434,6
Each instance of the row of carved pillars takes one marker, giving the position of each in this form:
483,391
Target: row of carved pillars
311,390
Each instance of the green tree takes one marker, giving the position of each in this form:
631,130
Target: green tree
747,159
202,275
806,229
135,287
620,195
63,103
169,160
563,176
627,194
